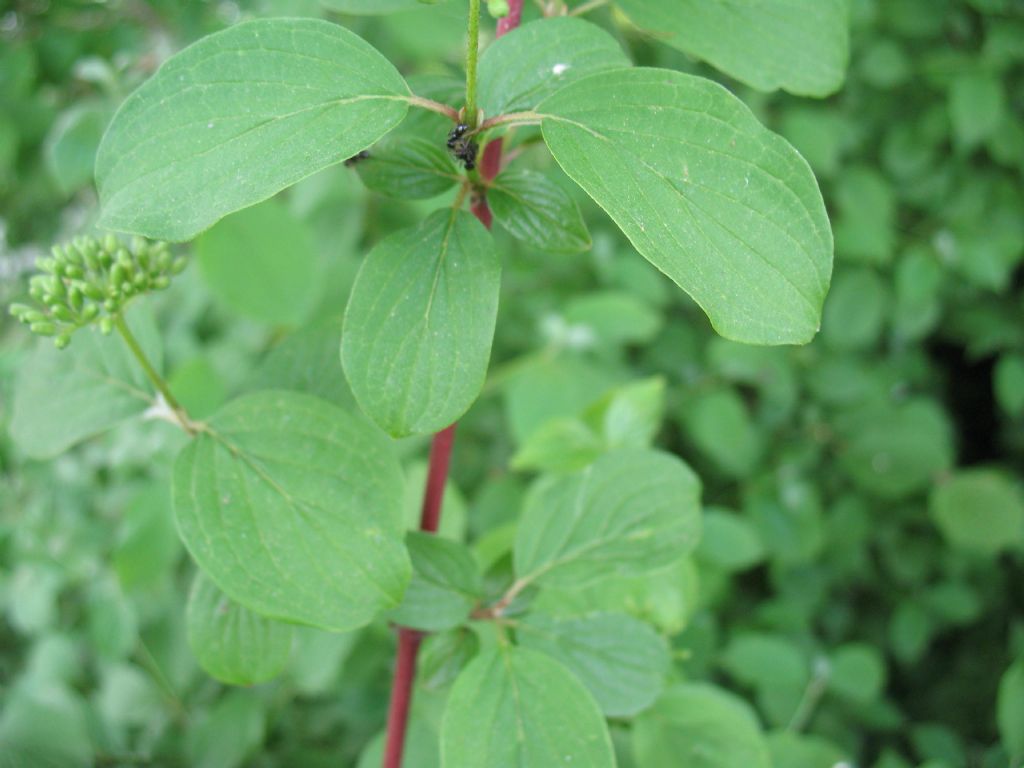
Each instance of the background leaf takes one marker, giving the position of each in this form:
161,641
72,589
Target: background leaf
537,211
408,168
292,507
231,643
445,584
699,726
62,397
891,451
631,511
419,324
799,45
721,205
516,708
979,511
179,154
622,661
262,262
1010,711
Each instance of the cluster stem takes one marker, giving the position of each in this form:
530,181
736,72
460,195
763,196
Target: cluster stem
152,375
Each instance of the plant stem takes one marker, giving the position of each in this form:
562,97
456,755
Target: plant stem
812,695
434,106
401,696
441,446
437,476
156,378
409,639
472,47
518,118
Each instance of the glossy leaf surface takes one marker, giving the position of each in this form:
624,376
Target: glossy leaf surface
419,324
238,116
724,207
293,508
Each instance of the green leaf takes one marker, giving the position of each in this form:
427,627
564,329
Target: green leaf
198,386
307,361
515,708
183,151
408,168
795,750
48,726
729,541
70,148
980,511
855,311
721,427
665,598
817,133
293,508
699,726
801,46
724,207
626,417
1010,711
229,734
614,317
546,388
766,662
233,644
857,673
148,545
537,211
865,225
977,104
559,445
445,585
419,324
63,397
262,262
892,451
631,512
622,661
629,416
1008,380
518,70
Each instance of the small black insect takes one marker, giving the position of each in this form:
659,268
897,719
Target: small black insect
464,149
365,154
456,134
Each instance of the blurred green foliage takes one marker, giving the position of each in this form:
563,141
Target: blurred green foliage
858,587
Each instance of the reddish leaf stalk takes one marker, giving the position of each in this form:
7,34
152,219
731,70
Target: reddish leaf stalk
437,475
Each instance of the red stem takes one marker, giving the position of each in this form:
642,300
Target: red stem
437,475
510,22
401,696
409,639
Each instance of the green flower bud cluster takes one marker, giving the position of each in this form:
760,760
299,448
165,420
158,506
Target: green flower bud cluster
89,280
